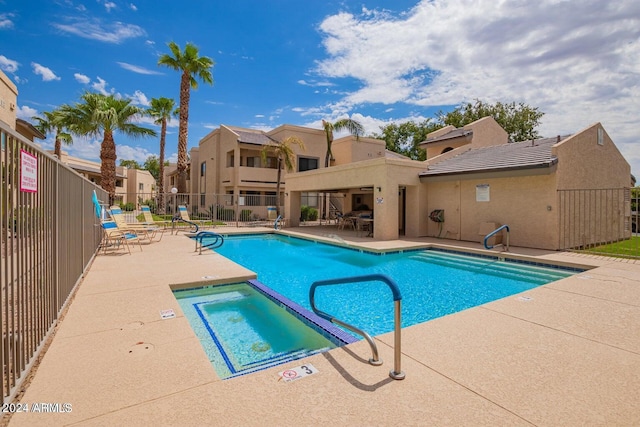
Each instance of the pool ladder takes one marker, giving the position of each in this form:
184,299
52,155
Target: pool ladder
493,233
218,240
396,373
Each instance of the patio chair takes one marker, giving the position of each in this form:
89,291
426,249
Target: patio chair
146,230
114,237
184,215
148,217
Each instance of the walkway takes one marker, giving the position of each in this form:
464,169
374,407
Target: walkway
567,355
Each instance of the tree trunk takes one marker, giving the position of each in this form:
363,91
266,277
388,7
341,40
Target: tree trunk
278,188
108,165
185,88
58,147
163,133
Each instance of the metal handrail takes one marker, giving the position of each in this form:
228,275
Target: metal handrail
173,224
277,222
219,240
493,233
396,373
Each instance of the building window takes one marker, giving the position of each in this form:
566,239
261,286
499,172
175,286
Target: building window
253,162
203,168
307,163
141,187
119,183
231,161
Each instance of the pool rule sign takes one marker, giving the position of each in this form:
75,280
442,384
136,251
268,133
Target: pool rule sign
28,172
297,373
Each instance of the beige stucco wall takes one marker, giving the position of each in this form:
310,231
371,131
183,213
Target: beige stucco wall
527,204
8,100
349,149
583,163
486,132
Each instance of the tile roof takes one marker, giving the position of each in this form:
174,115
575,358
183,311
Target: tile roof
251,137
511,156
455,133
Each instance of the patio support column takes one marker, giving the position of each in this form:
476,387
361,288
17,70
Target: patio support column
385,207
292,201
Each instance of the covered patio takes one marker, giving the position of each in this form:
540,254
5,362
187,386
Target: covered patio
390,188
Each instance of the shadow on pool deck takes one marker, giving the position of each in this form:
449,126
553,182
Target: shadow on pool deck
567,355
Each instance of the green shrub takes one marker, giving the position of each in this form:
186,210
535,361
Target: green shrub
308,213
128,207
152,205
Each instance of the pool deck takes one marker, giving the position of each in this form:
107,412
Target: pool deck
569,354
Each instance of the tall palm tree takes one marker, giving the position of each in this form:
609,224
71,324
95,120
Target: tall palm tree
54,121
99,114
191,65
350,125
162,109
284,154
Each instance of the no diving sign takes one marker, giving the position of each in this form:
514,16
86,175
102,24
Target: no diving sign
297,373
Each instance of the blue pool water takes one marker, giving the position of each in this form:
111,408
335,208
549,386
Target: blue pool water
243,330
433,283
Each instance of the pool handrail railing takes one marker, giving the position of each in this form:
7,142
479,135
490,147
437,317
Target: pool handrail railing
396,373
493,233
216,243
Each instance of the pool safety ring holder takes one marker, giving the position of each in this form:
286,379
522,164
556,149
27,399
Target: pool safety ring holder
396,373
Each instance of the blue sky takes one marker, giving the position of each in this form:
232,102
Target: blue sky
294,62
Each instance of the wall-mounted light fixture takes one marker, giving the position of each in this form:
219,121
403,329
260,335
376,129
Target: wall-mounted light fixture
379,189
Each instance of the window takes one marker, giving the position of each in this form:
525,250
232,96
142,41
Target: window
141,187
203,168
253,162
231,159
119,183
307,163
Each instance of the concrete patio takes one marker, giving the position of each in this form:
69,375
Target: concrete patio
567,355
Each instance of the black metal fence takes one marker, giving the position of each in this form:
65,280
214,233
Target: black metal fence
48,237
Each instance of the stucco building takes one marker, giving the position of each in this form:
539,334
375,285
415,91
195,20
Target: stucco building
479,180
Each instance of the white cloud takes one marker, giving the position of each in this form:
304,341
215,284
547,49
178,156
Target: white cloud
26,113
127,152
109,5
46,73
137,69
578,62
139,98
101,86
133,7
6,22
8,65
81,78
95,29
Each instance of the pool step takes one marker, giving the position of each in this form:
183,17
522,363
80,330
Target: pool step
506,269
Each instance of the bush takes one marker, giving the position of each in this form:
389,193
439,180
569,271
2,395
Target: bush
245,215
308,213
128,207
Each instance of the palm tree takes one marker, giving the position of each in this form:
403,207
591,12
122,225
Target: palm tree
100,114
284,154
54,121
191,65
350,125
162,109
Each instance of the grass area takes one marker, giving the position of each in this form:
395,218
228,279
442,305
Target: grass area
625,249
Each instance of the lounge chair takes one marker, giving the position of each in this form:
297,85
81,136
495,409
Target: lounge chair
145,230
148,217
184,216
114,237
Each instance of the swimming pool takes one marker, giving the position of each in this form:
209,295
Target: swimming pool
433,283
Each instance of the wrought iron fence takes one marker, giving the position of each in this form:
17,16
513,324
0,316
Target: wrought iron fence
600,221
49,237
